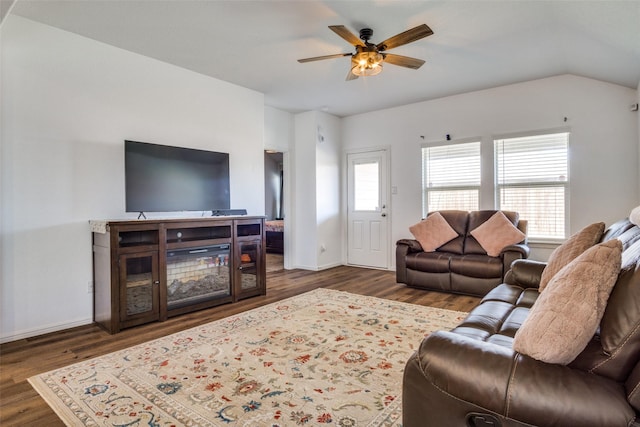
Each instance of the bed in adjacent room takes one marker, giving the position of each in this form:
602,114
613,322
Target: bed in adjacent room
274,229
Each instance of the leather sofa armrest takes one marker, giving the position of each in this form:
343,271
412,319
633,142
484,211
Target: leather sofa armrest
468,375
522,249
525,273
404,247
512,253
411,244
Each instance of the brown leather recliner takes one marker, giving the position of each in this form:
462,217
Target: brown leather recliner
470,376
460,265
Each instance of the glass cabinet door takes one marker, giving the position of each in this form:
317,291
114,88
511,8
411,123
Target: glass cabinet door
139,299
250,266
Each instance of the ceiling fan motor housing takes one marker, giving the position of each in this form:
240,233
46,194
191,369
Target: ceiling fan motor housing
366,34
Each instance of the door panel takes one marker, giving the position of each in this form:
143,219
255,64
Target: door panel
367,217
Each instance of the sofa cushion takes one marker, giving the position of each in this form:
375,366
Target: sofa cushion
476,266
430,262
458,220
476,219
496,233
569,250
433,232
619,337
566,316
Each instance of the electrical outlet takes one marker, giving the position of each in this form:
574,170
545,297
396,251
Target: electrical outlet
90,287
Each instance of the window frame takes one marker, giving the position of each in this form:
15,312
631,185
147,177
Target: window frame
566,184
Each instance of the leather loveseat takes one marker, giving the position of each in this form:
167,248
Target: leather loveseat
460,265
471,376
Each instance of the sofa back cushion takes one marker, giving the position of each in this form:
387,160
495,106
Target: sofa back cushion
477,218
616,350
458,220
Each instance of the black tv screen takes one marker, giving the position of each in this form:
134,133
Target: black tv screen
161,178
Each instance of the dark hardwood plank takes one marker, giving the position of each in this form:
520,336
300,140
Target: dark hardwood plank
20,405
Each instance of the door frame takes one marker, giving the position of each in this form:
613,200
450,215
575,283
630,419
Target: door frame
345,201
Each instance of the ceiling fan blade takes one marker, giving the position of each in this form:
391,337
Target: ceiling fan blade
319,58
344,32
403,61
408,36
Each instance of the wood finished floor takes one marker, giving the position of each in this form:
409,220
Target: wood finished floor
21,405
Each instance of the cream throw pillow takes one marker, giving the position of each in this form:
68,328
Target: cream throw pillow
566,316
634,216
569,250
433,232
496,233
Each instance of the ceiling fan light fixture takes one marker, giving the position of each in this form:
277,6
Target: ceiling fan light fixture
367,63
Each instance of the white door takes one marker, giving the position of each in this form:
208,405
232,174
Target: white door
367,219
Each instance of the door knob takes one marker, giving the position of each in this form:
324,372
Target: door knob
384,214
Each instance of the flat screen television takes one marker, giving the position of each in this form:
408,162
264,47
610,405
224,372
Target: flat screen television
162,178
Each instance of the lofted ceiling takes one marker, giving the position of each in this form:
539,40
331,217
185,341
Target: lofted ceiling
476,44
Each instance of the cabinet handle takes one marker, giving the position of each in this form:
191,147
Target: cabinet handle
157,282
198,251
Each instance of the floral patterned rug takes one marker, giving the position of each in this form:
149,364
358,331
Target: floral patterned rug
322,358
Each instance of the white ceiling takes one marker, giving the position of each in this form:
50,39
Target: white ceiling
476,44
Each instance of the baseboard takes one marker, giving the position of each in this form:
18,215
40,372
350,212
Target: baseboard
328,266
317,267
46,330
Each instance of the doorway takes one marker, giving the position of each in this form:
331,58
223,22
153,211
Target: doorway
367,209
274,209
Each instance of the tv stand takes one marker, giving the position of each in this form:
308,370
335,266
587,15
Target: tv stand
142,215
150,270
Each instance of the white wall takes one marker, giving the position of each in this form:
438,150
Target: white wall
67,105
278,129
604,141
316,226
303,178
328,161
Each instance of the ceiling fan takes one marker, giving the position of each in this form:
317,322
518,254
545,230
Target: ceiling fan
368,57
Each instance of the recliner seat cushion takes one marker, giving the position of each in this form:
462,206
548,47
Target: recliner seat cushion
429,262
477,266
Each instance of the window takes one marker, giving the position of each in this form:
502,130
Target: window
532,179
451,177
366,183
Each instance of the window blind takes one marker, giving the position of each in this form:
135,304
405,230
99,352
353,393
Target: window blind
451,177
532,176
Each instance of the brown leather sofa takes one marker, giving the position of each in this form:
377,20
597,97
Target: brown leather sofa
461,265
470,376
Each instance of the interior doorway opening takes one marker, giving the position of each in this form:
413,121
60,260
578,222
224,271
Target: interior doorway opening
274,209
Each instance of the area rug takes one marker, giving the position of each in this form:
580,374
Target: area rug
323,357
